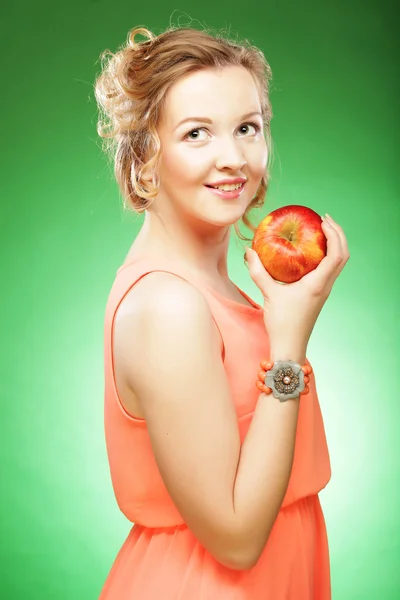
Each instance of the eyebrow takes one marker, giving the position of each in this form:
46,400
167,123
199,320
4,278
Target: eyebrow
206,120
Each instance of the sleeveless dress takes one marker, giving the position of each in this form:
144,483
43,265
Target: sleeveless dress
161,559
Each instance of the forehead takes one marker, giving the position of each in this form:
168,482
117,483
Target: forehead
211,92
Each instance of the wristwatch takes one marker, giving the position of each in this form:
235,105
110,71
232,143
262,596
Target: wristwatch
285,379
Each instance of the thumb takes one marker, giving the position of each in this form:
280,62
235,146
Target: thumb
258,272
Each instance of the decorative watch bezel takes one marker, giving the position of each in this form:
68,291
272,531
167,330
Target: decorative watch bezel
281,390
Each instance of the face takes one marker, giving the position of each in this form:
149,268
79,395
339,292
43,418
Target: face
196,153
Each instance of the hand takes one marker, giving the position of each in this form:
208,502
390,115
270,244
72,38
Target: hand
291,310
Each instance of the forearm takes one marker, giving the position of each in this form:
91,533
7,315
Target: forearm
265,465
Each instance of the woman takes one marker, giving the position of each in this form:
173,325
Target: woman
219,478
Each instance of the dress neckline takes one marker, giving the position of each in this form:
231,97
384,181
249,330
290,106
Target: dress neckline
233,304
254,308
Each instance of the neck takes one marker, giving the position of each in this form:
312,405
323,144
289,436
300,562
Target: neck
204,252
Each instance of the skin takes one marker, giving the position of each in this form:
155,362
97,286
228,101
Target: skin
186,220
164,342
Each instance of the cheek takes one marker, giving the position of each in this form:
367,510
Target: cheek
260,159
185,167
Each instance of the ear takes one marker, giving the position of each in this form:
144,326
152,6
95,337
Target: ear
148,176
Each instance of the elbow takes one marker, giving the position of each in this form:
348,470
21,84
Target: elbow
242,562
238,551
246,558
233,564
239,565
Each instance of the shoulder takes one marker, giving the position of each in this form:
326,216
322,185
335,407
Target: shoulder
160,312
161,293
162,302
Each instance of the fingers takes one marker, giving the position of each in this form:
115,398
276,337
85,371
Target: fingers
258,273
337,250
340,251
321,278
342,237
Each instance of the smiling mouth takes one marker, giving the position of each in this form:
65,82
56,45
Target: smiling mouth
231,188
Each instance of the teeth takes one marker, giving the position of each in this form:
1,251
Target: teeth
229,188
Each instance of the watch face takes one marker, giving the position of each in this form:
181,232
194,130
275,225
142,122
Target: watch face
286,379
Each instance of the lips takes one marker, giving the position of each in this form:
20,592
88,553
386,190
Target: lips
227,194
227,181
215,187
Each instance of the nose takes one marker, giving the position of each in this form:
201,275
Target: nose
230,156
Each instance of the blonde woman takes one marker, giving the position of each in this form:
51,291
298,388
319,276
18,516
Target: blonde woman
219,479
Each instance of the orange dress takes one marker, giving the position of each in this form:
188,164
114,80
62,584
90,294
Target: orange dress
161,559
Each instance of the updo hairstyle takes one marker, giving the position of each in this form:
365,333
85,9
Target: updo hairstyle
131,90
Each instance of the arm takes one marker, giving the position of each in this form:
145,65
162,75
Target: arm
265,464
229,497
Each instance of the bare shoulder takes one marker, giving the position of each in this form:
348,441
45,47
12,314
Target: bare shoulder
160,290
156,298
171,351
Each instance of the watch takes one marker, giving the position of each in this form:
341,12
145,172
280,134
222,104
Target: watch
285,379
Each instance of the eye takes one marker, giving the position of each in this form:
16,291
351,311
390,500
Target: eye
255,125
197,129
193,131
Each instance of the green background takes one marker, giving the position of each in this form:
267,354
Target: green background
64,233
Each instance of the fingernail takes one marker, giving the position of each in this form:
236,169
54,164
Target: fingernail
328,217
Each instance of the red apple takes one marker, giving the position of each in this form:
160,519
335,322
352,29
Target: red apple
290,242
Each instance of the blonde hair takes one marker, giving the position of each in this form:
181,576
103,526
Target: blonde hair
131,89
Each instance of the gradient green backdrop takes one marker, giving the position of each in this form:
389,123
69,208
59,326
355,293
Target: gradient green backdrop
64,234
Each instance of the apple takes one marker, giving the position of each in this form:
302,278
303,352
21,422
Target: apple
290,242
